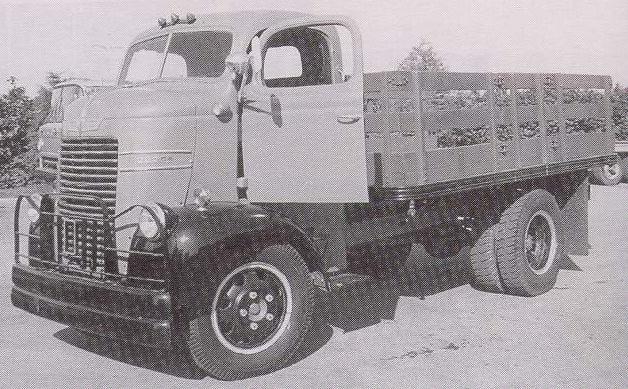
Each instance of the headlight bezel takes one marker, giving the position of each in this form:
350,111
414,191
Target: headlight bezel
152,221
34,207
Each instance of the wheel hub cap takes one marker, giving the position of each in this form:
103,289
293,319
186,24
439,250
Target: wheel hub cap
611,171
251,307
540,242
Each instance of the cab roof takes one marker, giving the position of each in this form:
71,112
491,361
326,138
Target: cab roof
83,83
241,23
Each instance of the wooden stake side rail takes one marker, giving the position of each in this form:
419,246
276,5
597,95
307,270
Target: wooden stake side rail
429,129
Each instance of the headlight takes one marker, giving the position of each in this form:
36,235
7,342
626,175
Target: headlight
34,203
40,144
151,224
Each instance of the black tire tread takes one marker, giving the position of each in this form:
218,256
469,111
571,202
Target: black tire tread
203,359
484,271
507,233
597,176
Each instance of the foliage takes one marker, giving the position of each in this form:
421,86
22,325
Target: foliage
619,100
16,115
18,135
422,58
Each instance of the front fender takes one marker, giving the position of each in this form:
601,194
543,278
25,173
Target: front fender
202,243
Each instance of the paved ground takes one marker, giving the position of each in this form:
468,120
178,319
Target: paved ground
575,336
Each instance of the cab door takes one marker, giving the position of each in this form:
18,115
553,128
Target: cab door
303,130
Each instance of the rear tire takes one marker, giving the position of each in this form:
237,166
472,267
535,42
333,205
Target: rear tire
529,244
607,175
623,163
484,273
260,313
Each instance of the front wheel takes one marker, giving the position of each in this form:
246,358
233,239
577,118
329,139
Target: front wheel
260,313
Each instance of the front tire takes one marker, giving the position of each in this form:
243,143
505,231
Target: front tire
260,313
529,244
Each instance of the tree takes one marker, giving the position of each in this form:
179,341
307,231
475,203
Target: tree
44,96
422,58
16,115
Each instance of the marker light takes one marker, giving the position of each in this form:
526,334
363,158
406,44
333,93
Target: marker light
174,19
190,18
162,22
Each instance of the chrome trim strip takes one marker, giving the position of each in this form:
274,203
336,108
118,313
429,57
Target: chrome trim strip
88,168
148,168
88,185
29,235
89,152
134,152
79,175
156,255
106,160
89,272
87,191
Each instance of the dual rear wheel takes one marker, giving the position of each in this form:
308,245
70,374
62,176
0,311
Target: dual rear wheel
521,253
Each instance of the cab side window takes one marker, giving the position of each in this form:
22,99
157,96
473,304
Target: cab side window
305,56
297,57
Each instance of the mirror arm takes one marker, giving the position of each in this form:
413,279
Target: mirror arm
245,76
241,86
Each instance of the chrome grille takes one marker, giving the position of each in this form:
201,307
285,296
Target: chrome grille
88,169
48,162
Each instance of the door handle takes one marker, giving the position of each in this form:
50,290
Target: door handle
348,119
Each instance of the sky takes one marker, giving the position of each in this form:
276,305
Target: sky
88,38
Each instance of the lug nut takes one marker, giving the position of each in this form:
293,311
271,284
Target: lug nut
270,316
269,298
253,295
243,312
253,326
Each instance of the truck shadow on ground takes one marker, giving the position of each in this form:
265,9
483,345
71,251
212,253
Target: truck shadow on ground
357,306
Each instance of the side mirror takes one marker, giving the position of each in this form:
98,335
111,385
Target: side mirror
238,63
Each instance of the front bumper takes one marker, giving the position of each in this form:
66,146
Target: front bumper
109,309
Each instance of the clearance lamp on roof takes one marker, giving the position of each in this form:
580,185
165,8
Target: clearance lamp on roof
175,19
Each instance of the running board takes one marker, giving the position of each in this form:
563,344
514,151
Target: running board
343,280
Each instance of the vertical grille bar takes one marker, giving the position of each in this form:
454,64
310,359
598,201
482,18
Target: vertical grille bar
88,167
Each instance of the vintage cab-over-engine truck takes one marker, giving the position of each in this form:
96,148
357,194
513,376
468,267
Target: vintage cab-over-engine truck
245,160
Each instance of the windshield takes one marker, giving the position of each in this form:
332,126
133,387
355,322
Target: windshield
190,54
